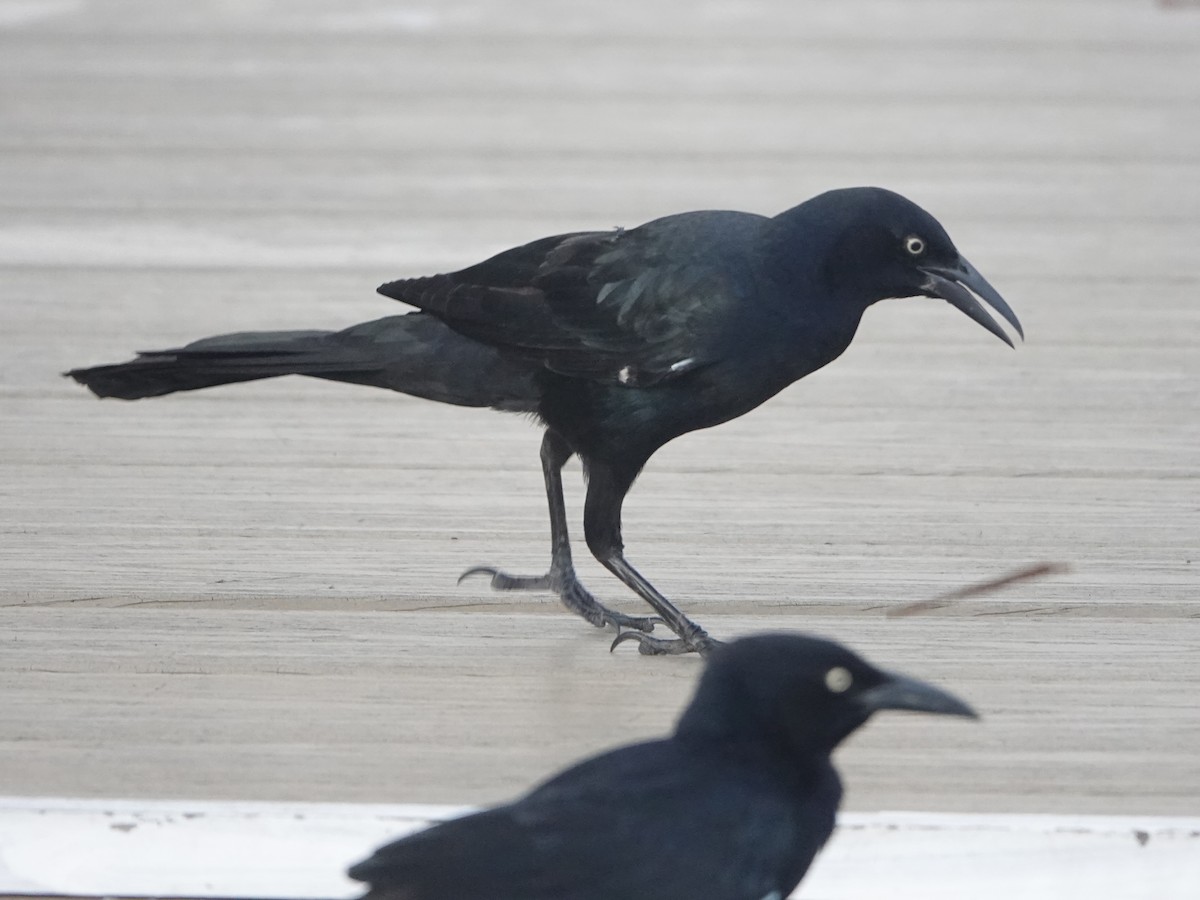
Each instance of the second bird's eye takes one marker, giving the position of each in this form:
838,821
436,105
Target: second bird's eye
914,245
838,679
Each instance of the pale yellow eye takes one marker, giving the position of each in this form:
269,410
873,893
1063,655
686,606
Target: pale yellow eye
838,680
914,245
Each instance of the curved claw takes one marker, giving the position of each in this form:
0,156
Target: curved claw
622,637
501,581
640,624
651,646
478,570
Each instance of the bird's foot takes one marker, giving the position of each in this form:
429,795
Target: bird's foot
695,642
574,596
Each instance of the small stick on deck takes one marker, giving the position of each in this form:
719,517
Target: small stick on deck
1039,570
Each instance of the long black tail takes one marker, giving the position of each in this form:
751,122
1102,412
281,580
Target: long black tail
217,360
415,354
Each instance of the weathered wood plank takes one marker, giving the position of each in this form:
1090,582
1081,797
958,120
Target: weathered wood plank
250,593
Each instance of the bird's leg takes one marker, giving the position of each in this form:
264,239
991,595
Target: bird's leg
561,578
602,527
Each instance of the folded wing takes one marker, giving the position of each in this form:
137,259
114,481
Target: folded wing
632,307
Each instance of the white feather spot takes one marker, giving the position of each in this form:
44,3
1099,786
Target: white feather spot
625,375
683,364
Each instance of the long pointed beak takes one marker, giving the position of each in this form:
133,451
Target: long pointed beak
951,283
902,692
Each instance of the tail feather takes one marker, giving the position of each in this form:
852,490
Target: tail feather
415,354
224,359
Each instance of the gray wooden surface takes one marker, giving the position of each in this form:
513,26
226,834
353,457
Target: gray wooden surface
249,592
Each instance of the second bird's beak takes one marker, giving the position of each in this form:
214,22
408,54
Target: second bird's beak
902,692
951,282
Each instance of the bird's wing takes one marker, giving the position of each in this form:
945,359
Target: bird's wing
632,307
610,829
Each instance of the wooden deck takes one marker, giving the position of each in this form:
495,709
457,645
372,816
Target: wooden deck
249,593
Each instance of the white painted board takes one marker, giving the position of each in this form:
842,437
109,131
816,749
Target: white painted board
301,850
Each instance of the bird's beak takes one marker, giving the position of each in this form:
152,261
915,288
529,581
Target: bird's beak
902,692
951,282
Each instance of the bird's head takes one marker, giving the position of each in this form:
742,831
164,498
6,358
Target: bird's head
800,694
879,244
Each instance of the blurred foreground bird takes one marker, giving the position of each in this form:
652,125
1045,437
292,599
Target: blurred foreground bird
618,341
733,806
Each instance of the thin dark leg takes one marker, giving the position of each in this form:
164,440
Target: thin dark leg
602,527
561,578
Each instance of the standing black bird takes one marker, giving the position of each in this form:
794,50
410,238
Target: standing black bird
733,806
618,341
